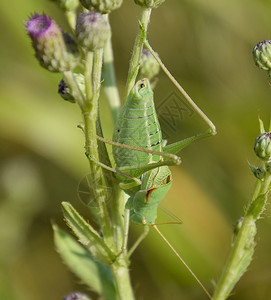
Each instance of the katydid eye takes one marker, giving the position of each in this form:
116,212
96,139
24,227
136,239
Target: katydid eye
142,85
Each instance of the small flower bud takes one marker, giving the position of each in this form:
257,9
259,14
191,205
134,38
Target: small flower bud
261,54
76,296
262,146
259,173
149,3
102,6
66,93
149,66
55,50
92,30
67,5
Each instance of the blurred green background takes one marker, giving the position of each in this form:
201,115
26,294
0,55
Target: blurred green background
207,46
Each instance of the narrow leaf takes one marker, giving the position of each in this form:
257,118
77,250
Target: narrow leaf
87,235
93,273
262,129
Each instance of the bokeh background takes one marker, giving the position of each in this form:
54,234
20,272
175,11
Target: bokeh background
207,46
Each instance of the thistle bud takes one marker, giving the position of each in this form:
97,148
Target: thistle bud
55,50
149,66
259,173
261,54
76,296
101,6
67,5
65,92
149,3
262,146
92,30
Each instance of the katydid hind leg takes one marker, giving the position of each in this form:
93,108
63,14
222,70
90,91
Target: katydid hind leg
212,128
182,261
174,148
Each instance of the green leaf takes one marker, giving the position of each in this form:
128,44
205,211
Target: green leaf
93,273
262,129
257,206
87,235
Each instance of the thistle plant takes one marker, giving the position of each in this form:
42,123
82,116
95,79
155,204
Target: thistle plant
243,245
130,186
100,257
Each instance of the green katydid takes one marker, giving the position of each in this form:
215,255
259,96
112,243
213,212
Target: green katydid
142,158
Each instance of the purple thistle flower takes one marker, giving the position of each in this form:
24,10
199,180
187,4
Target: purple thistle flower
55,49
39,25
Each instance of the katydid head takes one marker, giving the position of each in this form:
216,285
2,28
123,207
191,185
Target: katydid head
142,90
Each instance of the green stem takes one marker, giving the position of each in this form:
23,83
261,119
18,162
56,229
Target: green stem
122,277
139,240
88,75
109,86
138,46
90,114
243,246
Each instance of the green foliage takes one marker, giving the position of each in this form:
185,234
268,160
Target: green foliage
205,38
96,275
87,235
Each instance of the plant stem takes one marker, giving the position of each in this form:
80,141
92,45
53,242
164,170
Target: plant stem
122,277
110,87
90,113
88,76
138,46
243,246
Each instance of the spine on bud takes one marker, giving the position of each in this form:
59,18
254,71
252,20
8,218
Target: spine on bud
101,6
55,50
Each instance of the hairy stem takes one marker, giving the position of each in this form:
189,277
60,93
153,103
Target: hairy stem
90,114
121,274
138,46
244,243
88,76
